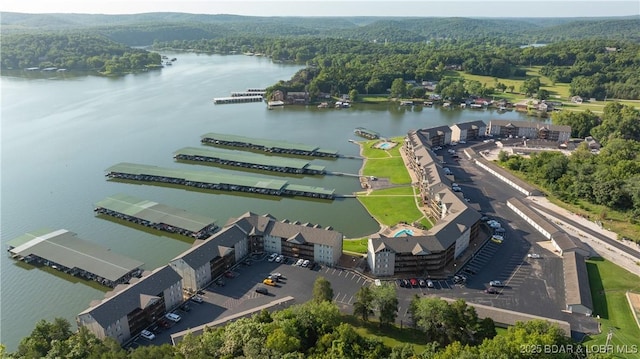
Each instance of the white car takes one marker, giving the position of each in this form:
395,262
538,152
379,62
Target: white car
496,283
305,263
173,317
534,256
456,189
498,237
462,142
299,262
279,259
147,335
272,257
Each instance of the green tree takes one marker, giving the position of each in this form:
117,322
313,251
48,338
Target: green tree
363,306
43,337
530,86
386,301
322,290
398,88
282,342
353,95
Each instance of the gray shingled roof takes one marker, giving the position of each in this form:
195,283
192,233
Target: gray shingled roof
118,304
530,124
267,224
471,124
212,247
576,280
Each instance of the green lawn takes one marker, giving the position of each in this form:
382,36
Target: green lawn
355,245
392,205
391,336
608,286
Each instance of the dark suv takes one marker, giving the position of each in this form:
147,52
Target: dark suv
262,290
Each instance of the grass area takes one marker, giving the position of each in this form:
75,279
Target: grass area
390,206
557,91
608,286
385,163
391,336
355,245
373,98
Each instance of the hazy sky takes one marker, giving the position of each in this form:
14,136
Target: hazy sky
424,8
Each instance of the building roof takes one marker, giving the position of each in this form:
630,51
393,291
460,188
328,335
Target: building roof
199,176
215,246
576,280
65,248
266,143
247,157
470,125
127,298
434,131
299,233
155,212
530,124
541,221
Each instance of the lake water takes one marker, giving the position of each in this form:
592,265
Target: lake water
59,134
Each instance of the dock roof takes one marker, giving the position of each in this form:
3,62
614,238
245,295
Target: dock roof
65,248
155,212
198,176
248,157
266,143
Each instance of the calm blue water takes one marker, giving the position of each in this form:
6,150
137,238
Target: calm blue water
59,133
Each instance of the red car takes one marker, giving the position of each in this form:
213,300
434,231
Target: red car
414,282
228,274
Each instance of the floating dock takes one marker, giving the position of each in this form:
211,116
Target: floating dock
248,93
237,99
215,181
157,216
271,146
363,132
64,251
249,160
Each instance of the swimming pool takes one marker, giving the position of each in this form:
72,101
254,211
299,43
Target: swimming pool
385,145
407,232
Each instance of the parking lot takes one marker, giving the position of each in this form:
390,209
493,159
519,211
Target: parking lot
531,285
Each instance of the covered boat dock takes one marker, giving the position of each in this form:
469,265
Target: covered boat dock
248,160
64,251
157,216
215,181
272,146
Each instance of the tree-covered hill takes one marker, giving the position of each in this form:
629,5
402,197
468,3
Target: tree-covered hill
74,51
143,29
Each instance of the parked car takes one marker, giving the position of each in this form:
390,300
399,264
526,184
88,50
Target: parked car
197,299
276,275
459,278
430,283
422,282
406,283
498,237
305,263
499,230
414,282
496,240
147,335
228,274
220,282
534,256
400,282
299,262
272,257
173,317
269,281
491,290
279,259
262,290
496,283
456,189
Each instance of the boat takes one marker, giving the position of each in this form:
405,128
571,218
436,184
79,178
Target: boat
323,105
